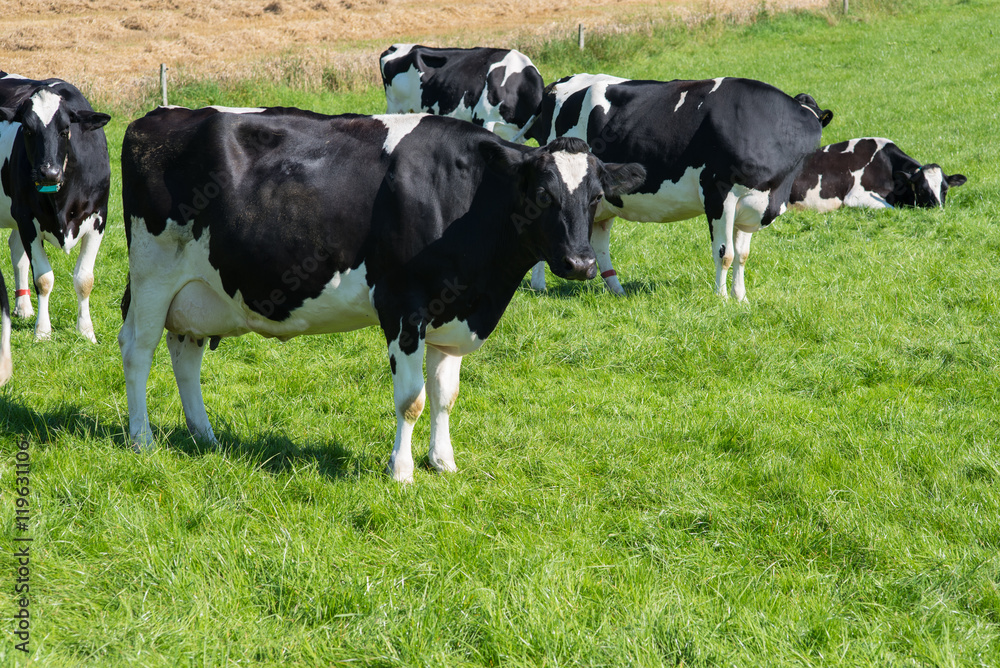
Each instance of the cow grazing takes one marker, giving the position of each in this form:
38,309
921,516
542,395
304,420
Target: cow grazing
869,172
728,148
499,89
56,175
285,222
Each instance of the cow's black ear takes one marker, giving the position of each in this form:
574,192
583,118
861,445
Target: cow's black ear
825,117
955,180
89,120
619,179
500,157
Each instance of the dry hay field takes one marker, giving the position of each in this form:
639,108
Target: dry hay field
113,48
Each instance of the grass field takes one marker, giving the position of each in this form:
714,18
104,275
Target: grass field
810,479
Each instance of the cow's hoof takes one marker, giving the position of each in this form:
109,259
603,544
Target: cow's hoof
43,336
23,311
89,336
143,442
6,370
443,465
403,474
538,285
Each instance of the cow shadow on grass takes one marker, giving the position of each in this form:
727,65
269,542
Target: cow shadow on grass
272,452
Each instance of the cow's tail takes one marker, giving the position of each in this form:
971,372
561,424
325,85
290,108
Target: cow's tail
6,366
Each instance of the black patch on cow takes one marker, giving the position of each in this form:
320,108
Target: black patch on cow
213,342
392,364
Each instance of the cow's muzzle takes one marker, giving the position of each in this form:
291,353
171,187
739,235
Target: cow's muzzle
577,268
48,179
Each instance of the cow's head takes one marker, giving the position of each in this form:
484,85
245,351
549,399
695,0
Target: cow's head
48,125
559,186
925,187
807,101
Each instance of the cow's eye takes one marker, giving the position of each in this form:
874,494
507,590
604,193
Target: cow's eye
542,197
28,133
64,134
596,199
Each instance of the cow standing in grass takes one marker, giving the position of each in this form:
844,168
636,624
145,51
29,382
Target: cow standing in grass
285,222
499,89
56,176
869,172
727,148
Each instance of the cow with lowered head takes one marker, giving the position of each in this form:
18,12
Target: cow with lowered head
285,222
869,172
55,175
728,148
499,89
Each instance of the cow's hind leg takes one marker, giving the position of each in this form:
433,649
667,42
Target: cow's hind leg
138,338
22,276
6,365
408,394
601,242
741,248
442,389
83,282
186,354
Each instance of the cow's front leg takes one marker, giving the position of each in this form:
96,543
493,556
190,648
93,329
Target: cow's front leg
407,365
722,241
601,241
442,385
83,282
44,280
22,270
538,276
186,354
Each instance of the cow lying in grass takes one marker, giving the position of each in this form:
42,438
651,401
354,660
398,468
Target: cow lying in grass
285,222
869,172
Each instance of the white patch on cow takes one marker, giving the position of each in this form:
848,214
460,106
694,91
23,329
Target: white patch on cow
237,110
515,62
853,143
684,94
572,168
865,199
11,75
718,82
454,338
935,179
402,93
199,306
671,202
814,201
400,51
398,125
596,96
86,227
45,104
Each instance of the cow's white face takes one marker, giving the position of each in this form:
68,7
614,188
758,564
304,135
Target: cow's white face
930,185
47,127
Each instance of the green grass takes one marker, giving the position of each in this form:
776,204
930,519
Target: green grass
663,479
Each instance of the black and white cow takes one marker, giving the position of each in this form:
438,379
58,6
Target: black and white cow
869,172
285,222
499,89
56,176
727,148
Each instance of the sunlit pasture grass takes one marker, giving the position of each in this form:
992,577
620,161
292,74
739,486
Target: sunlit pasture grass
661,479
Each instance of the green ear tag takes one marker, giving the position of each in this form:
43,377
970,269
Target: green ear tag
47,189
